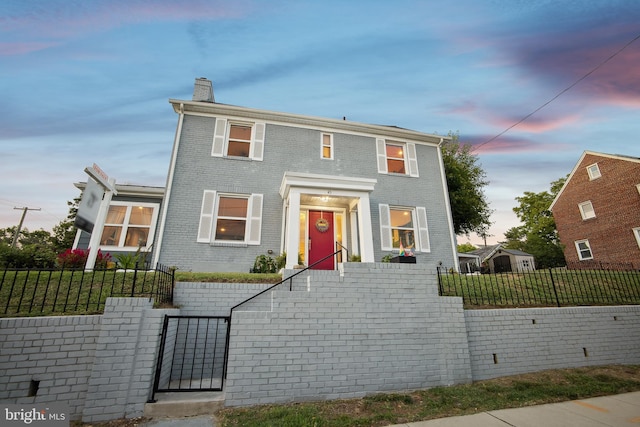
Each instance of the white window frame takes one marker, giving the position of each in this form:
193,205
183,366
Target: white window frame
329,145
209,218
220,147
586,210
593,171
420,228
125,226
410,157
636,233
580,251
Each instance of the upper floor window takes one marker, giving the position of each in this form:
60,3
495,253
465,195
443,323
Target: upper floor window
584,250
593,171
226,217
586,210
327,146
238,139
129,225
396,157
406,226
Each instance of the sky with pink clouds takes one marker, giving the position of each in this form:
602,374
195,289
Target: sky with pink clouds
85,82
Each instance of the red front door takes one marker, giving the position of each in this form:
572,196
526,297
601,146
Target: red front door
321,238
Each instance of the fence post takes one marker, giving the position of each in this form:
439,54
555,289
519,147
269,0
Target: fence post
135,275
553,284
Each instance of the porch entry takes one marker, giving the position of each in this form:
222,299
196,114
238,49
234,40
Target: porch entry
321,240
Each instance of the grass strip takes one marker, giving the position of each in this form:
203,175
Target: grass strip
395,408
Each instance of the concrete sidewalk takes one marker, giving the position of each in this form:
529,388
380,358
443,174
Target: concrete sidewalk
612,411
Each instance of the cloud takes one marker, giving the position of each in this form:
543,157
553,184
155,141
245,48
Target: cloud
483,144
43,27
535,124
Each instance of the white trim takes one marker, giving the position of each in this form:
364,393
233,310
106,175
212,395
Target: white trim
443,177
258,131
386,237
169,186
254,220
218,148
207,213
126,225
381,152
586,210
209,109
411,160
636,233
586,242
593,171
330,145
422,229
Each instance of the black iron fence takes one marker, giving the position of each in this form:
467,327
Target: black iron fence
555,287
29,292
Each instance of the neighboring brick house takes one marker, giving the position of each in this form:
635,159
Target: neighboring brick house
244,182
597,211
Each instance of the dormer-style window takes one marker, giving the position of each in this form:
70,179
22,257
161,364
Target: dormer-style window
593,171
326,146
395,157
586,210
238,139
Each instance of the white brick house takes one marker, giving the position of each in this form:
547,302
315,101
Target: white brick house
244,182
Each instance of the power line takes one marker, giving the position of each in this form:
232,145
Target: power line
560,93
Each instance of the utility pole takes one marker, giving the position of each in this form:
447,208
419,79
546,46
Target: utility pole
24,213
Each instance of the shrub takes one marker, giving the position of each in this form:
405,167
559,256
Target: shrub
30,256
264,264
129,260
77,258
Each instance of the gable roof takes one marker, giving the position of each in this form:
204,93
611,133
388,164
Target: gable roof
577,166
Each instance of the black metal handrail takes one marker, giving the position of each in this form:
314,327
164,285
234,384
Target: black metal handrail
290,279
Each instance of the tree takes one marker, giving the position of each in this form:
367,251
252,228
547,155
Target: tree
64,233
538,234
465,180
466,247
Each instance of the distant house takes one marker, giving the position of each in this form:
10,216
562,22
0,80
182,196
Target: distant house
245,182
496,259
130,222
597,211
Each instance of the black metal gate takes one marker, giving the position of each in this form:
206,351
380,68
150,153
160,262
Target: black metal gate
192,354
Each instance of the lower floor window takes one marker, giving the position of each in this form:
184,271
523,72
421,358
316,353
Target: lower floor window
232,218
128,225
584,250
402,228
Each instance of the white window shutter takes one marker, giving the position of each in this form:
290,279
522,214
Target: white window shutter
413,159
219,134
423,230
257,143
255,219
381,148
206,216
385,228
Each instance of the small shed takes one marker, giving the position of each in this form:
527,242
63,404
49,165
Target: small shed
497,259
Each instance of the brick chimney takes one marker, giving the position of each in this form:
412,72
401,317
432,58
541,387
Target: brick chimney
203,90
